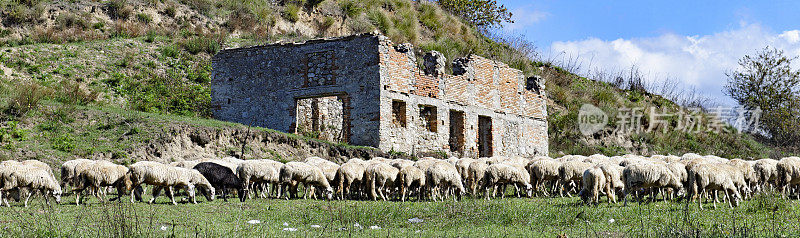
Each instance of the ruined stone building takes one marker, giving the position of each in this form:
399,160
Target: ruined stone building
364,90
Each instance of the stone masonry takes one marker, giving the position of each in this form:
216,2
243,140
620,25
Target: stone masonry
364,90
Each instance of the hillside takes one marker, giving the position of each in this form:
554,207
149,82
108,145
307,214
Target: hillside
129,79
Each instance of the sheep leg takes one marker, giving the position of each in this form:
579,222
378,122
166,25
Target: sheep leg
171,195
156,192
28,197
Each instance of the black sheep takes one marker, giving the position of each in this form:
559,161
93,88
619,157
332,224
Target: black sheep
222,178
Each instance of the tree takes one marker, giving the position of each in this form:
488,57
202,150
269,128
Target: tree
480,13
767,82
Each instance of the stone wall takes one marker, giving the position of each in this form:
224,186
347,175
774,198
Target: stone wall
380,97
478,87
261,85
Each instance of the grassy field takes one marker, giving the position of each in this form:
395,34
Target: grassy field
510,217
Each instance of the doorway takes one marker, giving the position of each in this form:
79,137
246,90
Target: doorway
485,136
456,131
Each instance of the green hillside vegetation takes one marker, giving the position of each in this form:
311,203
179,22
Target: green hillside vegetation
100,61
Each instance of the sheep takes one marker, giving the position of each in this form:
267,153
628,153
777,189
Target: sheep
258,171
221,178
463,168
379,177
348,175
401,163
747,171
679,170
594,181
716,176
766,171
475,174
570,171
614,183
101,174
788,173
542,171
68,171
442,176
186,163
411,177
424,164
293,173
503,173
165,176
648,175
227,163
33,178
328,168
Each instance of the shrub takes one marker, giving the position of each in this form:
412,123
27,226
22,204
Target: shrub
11,132
23,13
144,18
71,93
161,95
380,20
27,98
124,29
241,19
170,11
64,142
291,13
150,37
199,44
118,9
69,20
203,6
350,8
169,51
360,25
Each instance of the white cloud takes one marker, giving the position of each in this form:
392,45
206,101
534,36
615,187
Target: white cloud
698,61
524,17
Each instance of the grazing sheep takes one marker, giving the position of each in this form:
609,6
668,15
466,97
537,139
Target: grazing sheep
788,173
648,175
165,177
380,177
233,166
502,173
614,183
746,170
328,168
716,177
475,174
766,171
253,172
411,178
542,171
32,178
571,171
349,176
186,163
594,181
441,177
293,173
221,178
68,171
101,174
401,163
462,166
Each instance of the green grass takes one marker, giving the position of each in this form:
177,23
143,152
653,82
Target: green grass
512,217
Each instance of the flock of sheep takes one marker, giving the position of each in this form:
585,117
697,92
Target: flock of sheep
690,176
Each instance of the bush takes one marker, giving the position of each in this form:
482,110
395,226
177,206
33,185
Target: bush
23,13
350,8
124,29
11,132
380,20
26,98
69,20
291,13
360,25
203,6
144,18
201,44
118,9
71,93
64,142
170,11
161,95
169,51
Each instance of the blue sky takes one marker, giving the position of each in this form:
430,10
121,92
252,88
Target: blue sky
693,42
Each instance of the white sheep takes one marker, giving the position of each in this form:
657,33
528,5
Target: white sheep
766,171
502,173
614,183
442,177
648,175
475,174
32,178
571,172
163,176
380,177
788,173
293,173
594,181
716,177
328,168
349,177
542,171
401,163
101,174
411,178
68,171
252,172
